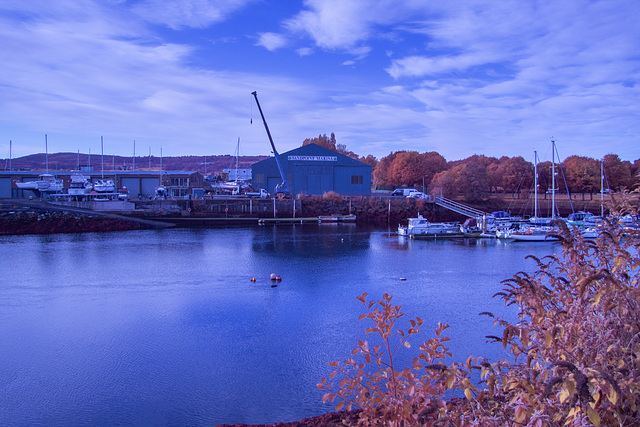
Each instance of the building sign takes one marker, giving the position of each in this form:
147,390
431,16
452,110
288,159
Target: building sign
315,158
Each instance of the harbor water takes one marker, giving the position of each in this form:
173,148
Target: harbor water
167,328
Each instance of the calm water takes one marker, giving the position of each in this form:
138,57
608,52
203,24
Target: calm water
165,327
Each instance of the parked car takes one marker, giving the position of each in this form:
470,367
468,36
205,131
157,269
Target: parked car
417,195
406,192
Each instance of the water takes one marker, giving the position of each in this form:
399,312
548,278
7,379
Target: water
166,328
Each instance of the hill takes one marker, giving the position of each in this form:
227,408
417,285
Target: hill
206,165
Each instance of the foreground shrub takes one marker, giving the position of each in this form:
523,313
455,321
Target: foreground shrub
576,349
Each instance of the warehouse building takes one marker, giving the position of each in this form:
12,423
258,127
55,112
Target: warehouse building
314,170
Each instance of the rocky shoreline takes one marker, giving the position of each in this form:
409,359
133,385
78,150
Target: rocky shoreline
33,222
332,419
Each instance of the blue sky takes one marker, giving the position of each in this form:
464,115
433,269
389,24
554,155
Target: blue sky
459,77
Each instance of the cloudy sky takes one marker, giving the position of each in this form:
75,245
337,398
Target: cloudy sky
459,77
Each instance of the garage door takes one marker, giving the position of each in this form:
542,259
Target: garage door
148,186
133,185
5,188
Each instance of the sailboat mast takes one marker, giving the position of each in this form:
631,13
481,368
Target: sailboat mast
535,185
102,154
10,143
602,187
553,178
133,167
237,155
46,153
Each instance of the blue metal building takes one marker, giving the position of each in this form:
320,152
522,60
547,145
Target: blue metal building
314,170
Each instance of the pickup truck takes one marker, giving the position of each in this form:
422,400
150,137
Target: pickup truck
262,193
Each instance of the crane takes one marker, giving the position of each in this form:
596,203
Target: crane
283,187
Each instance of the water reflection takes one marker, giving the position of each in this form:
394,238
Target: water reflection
310,240
165,327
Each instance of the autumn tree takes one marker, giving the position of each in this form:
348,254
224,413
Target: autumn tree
544,176
510,173
473,181
617,172
582,174
409,168
381,174
322,141
446,182
371,161
635,175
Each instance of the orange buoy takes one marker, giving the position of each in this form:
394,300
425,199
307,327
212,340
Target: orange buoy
253,279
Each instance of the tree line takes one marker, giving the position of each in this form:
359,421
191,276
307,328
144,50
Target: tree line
477,176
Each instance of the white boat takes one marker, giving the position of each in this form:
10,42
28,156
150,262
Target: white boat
536,233
46,184
580,219
104,186
420,227
79,185
590,232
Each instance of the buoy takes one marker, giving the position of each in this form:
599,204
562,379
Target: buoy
275,277
253,280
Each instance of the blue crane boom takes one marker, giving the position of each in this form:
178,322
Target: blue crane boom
283,187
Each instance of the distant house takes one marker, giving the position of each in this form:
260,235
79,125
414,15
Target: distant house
314,170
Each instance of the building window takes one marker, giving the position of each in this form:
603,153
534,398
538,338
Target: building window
179,182
356,179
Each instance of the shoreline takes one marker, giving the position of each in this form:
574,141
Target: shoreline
20,217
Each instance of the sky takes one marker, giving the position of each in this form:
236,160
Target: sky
459,77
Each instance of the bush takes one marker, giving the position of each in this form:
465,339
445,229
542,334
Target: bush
576,349
332,196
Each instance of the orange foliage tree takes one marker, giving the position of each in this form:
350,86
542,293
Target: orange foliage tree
511,174
617,172
409,168
582,174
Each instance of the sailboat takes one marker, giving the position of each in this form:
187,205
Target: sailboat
540,228
234,187
103,185
47,182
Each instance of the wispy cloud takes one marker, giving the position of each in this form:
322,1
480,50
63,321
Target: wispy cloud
271,41
187,13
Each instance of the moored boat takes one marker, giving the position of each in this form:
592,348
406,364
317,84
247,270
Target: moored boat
47,184
534,234
79,185
104,186
420,227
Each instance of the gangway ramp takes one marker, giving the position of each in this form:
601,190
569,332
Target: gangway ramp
459,207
